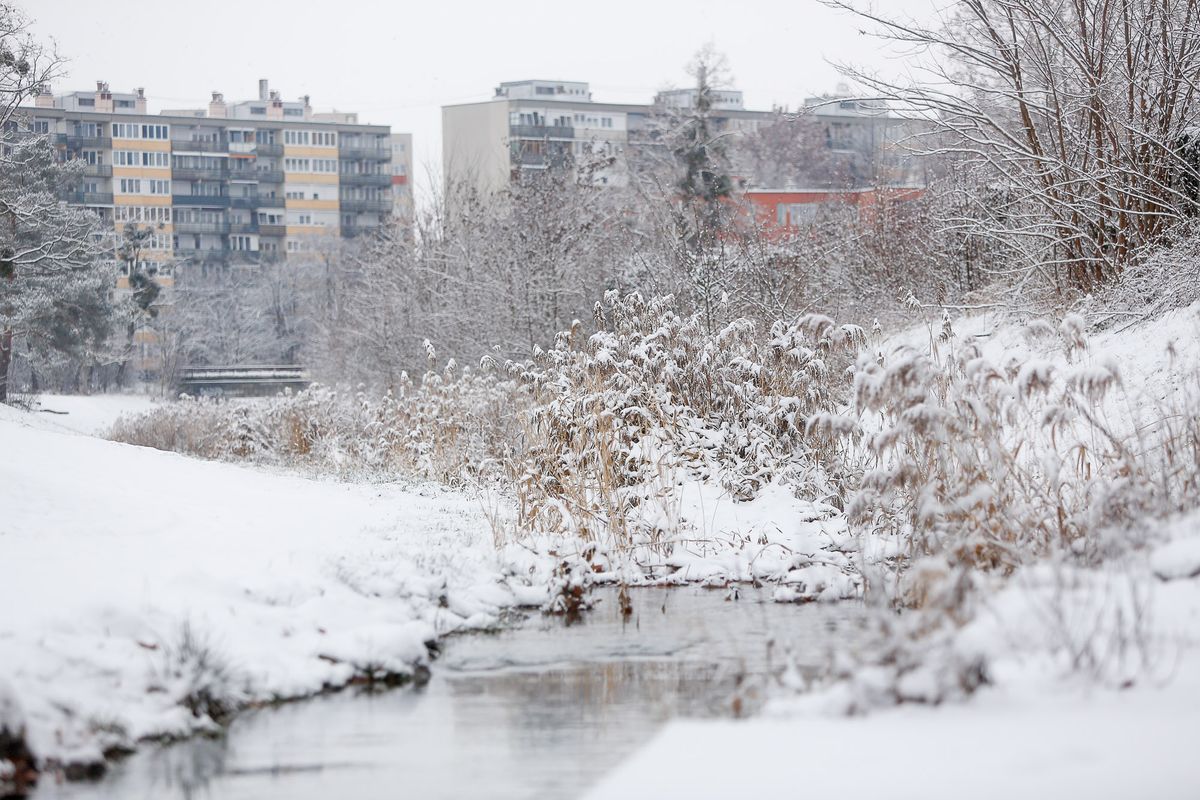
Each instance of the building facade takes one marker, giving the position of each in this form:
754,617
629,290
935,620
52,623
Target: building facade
233,183
535,125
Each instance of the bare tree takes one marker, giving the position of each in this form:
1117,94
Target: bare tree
1082,110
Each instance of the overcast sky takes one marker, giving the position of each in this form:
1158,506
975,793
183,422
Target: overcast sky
397,63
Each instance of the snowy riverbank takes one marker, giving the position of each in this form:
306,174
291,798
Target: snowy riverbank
144,591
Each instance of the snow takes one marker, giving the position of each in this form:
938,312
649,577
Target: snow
283,585
92,414
1005,745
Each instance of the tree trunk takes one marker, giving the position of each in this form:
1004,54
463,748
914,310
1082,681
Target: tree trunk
6,343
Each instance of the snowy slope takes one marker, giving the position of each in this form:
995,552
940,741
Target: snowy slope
109,552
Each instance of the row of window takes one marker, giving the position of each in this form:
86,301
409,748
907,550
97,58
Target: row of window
144,186
313,138
138,158
328,165
130,130
145,214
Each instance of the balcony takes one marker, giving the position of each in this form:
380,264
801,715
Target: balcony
351,179
243,227
272,230
191,146
241,175
269,175
183,226
367,153
208,201
541,132
79,142
365,206
199,173
268,149
268,202
97,170
89,198
361,229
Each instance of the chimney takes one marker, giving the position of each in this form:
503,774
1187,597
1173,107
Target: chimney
44,98
263,90
307,107
275,107
217,107
104,98
139,100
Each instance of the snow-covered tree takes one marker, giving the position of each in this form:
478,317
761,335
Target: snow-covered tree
1081,112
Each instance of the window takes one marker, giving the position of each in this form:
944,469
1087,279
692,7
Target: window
87,101
131,186
293,195
258,110
128,130
159,187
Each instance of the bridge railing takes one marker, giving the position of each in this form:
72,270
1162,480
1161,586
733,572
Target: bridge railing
242,379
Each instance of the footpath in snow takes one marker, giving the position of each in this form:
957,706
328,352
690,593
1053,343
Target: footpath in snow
145,592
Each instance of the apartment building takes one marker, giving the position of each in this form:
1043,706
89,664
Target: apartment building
535,125
231,183
538,124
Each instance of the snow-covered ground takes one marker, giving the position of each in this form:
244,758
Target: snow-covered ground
93,414
133,579
1118,723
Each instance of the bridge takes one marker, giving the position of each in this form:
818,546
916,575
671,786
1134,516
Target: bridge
242,381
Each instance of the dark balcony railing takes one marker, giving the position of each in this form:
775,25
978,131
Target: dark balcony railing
541,132
269,202
196,146
370,153
351,179
199,173
268,149
243,227
210,201
360,229
80,142
242,175
269,175
365,206
89,198
185,226
98,170
272,230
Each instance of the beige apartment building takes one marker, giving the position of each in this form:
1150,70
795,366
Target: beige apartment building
231,183
533,125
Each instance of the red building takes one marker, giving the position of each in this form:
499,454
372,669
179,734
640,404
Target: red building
784,211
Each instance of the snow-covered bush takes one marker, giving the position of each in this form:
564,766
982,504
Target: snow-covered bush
193,673
447,428
18,766
652,400
992,464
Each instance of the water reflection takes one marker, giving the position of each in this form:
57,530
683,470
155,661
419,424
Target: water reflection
540,710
